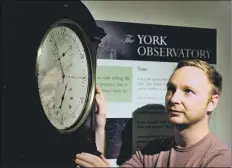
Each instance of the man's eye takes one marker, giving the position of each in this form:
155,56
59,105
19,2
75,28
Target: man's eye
170,89
188,91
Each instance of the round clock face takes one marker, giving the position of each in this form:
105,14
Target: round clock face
63,76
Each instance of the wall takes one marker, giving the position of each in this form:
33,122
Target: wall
203,14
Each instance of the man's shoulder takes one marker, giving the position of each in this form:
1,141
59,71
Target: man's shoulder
157,145
218,154
219,158
216,144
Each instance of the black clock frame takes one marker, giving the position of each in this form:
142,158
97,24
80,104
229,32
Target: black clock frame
28,139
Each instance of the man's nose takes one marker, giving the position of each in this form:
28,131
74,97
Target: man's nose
176,97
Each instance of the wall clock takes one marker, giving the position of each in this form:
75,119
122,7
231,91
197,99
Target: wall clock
66,75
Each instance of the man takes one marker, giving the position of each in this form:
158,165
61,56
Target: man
193,92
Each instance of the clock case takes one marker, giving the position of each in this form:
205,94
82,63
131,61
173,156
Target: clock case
28,138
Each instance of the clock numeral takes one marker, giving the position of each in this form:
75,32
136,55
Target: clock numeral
61,119
81,99
51,37
49,115
71,55
55,53
70,65
63,31
57,112
85,79
45,106
65,118
58,69
73,114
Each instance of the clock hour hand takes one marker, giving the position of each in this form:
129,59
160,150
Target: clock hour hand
62,98
62,71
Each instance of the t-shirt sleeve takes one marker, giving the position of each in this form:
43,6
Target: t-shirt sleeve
146,157
221,159
136,160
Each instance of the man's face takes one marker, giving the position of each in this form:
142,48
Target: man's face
187,96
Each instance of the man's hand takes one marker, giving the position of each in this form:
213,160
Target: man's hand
100,110
89,160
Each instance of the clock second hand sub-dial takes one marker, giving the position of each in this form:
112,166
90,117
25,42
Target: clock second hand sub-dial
63,76
62,98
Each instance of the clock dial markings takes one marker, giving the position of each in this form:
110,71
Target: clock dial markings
61,107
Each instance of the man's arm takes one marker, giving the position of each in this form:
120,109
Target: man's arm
100,140
89,160
100,120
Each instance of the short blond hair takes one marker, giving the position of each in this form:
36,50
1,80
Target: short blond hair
214,77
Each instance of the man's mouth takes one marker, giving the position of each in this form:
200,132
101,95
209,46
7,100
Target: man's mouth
174,111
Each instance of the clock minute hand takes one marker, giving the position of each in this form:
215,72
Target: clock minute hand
62,98
64,53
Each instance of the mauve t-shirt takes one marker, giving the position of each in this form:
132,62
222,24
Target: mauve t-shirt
163,152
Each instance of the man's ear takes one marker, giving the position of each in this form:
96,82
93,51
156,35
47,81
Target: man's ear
212,102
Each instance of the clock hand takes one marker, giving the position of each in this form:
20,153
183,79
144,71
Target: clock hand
62,98
63,76
65,52
70,47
